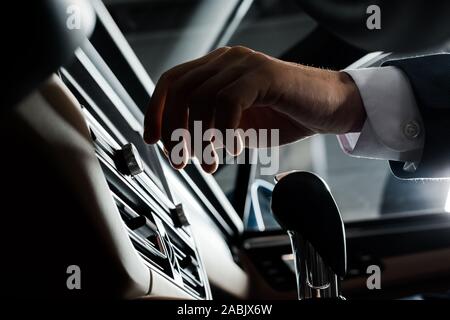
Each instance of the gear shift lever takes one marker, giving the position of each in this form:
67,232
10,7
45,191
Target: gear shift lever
303,205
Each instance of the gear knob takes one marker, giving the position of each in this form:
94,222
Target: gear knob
303,205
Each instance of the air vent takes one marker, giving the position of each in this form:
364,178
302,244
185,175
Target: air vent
145,237
161,246
158,229
187,265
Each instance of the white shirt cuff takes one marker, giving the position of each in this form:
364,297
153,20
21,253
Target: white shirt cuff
393,129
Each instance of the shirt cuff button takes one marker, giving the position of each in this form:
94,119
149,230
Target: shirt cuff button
411,129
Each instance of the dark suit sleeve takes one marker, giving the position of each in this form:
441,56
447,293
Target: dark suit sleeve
430,79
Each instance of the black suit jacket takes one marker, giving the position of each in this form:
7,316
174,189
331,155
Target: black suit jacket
430,79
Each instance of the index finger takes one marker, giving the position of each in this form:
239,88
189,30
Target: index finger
153,115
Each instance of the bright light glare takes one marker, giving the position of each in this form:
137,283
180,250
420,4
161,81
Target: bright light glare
447,202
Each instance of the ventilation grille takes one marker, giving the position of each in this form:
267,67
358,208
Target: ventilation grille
142,201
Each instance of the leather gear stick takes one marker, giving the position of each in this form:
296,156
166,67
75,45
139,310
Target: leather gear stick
303,205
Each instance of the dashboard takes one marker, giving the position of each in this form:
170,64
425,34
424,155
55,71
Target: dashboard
156,215
84,192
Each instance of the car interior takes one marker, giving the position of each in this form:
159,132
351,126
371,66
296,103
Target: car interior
81,187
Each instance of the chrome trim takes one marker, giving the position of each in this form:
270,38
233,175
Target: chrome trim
314,278
94,106
267,242
156,208
122,44
251,177
108,90
258,183
143,178
91,52
134,234
235,21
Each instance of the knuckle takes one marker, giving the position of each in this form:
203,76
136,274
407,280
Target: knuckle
255,60
240,50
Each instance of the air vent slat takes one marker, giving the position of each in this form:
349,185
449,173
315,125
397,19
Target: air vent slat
144,203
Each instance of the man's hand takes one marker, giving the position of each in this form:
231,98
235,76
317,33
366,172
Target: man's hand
238,88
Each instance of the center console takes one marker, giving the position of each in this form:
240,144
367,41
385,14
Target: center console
157,227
